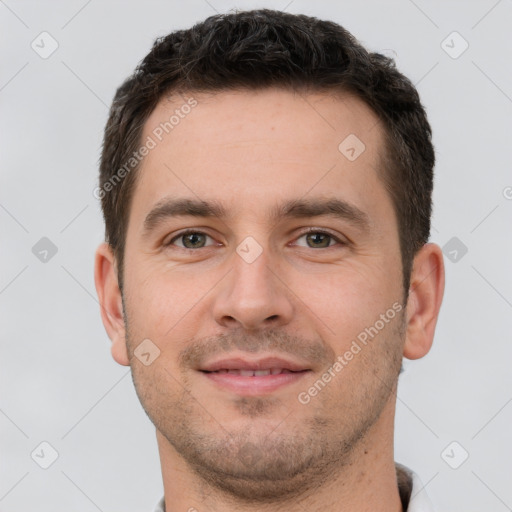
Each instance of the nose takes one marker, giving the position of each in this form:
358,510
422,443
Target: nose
253,296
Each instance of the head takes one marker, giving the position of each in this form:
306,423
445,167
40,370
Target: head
302,167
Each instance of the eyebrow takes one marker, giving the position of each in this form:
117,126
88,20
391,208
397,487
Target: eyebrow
301,208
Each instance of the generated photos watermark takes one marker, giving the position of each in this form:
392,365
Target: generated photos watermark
151,142
366,335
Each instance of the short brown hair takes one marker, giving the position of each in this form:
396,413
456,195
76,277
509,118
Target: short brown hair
265,48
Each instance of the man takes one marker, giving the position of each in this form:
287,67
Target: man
266,186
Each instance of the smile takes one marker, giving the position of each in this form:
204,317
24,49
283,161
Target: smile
253,373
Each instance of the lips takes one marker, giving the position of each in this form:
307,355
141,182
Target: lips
270,365
254,377
254,373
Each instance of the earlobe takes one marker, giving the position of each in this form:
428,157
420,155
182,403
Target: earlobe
109,295
425,297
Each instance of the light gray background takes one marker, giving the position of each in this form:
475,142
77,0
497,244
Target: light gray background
58,382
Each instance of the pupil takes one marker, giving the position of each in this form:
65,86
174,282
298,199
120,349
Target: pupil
319,239
193,238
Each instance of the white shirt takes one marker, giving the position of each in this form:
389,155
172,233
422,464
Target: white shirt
413,495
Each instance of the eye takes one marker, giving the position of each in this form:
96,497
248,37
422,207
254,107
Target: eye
190,240
319,239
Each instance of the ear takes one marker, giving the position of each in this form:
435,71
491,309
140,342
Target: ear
425,297
109,294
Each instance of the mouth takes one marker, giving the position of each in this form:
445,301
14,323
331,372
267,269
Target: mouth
253,373
256,377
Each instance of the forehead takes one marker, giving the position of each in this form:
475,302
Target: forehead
251,148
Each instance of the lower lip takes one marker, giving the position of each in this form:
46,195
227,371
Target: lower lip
255,385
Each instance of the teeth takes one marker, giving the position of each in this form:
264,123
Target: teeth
261,372
254,373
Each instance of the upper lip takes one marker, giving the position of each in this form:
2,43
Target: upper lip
266,363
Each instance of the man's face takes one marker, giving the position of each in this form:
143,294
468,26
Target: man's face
249,288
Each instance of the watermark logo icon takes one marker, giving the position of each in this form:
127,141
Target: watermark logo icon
44,250
454,455
45,45
351,147
249,250
454,249
454,45
44,455
147,352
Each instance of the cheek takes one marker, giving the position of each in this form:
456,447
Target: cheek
344,302
163,300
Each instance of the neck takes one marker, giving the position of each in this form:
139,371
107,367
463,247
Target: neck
365,483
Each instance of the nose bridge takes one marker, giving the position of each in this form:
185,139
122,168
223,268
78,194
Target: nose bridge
252,295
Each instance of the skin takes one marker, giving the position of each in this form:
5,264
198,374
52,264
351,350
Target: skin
304,297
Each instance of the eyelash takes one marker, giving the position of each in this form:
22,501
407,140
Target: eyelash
304,233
